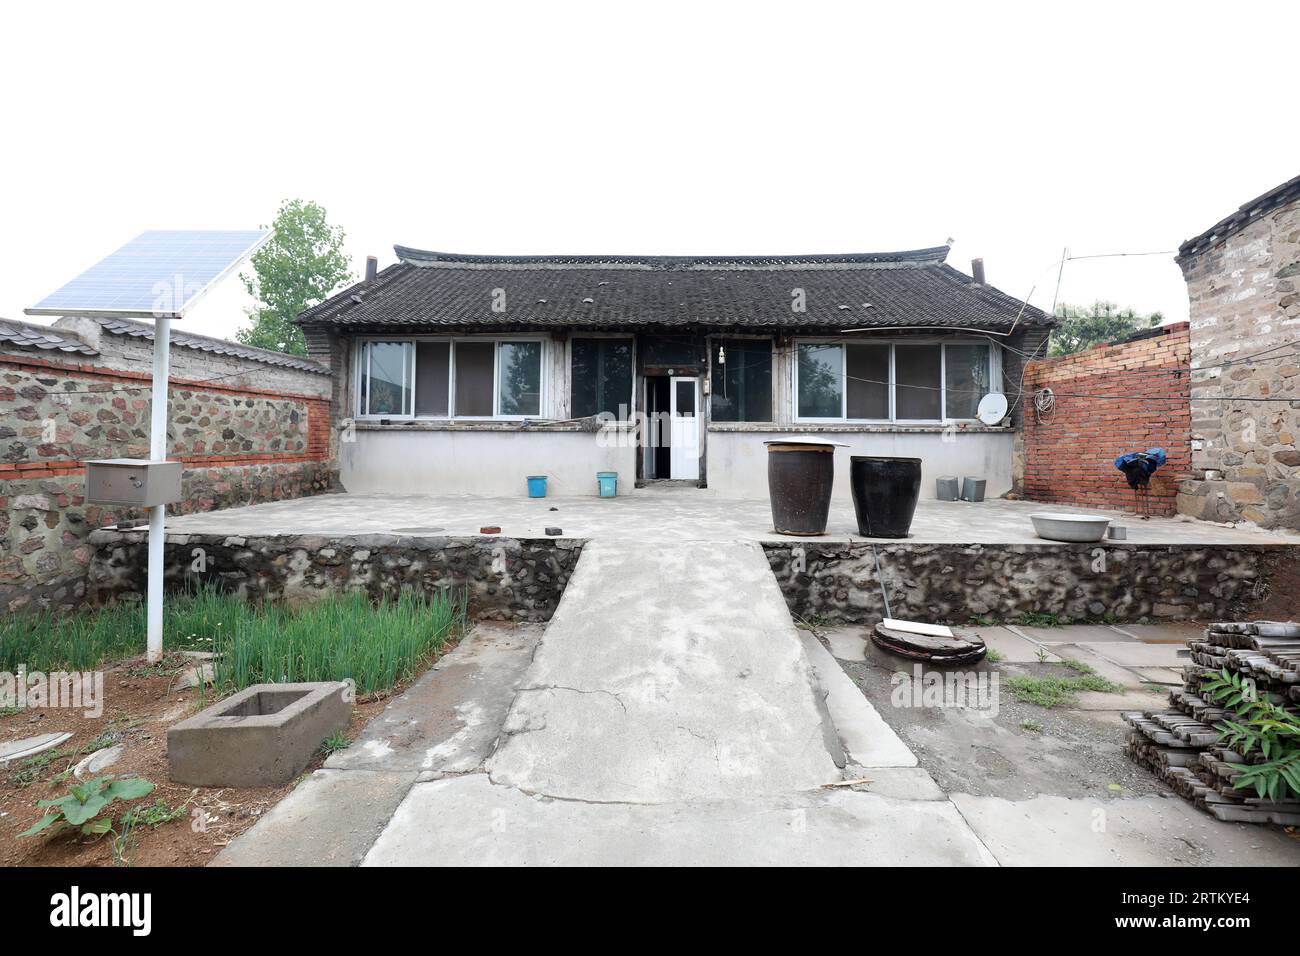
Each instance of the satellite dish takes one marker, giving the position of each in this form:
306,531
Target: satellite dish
993,408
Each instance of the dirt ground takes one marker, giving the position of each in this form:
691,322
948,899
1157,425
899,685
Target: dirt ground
1279,595
1022,751
140,703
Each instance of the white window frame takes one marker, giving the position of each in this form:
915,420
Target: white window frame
413,341
995,378
362,366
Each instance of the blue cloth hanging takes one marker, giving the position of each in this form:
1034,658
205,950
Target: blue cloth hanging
1139,466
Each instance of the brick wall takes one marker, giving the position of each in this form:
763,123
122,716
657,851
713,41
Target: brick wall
240,444
1110,399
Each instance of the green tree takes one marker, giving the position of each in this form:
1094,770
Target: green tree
1079,328
302,265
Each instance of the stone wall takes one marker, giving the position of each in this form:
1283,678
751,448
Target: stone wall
503,579
1244,294
1109,400
955,584
240,444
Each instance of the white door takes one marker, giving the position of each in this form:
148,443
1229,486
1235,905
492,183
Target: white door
684,412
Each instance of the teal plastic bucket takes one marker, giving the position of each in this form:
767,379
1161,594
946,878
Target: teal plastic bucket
536,486
608,483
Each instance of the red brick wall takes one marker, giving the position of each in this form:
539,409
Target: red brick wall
1110,399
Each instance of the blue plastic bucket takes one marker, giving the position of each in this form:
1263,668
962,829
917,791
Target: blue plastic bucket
608,483
536,486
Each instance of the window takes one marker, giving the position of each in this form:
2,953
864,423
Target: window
742,380
967,379
897,381
821,381
686,399
441,378
386,378
917,391
867,384
600,375
474,378
432,373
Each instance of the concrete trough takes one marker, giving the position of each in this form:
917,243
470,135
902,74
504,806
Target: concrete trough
261,737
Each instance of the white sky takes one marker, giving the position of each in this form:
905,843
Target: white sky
648,128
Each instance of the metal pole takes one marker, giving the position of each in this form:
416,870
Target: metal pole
158,452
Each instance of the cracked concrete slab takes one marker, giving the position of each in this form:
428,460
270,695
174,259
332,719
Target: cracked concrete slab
450,718
482,824
330,819
1146,831
668,672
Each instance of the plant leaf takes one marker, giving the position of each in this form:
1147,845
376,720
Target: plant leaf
79,813
44,822
129,789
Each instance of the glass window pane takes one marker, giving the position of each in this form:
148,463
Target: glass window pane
686,399
916,376
388,391
821,373
868,381
967,379
432,377
474,361
742,380
601,377
521,378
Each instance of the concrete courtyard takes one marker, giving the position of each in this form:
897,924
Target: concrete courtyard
677,514
671,712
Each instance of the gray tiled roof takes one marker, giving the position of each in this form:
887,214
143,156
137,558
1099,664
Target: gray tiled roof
203,343
1257,208
913,288
29,336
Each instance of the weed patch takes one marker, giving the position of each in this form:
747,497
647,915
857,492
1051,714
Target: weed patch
1057,691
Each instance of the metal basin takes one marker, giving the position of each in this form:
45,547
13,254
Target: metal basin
1057,526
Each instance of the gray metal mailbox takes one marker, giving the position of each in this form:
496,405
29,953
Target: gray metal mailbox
133,481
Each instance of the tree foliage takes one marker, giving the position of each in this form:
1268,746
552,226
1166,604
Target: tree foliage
1079,328
301,266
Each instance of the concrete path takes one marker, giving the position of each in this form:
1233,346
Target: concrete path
670,714
673,715
668,673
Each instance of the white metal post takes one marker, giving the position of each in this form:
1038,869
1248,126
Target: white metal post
158,452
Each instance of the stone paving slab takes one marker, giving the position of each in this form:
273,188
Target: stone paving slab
1012,647
468,821
450,718
1175,632
330,819
1075,634
1136,654
1147,831
848,645
667,673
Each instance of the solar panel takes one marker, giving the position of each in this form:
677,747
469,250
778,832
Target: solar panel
158,274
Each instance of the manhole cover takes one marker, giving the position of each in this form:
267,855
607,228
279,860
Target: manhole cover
418,530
